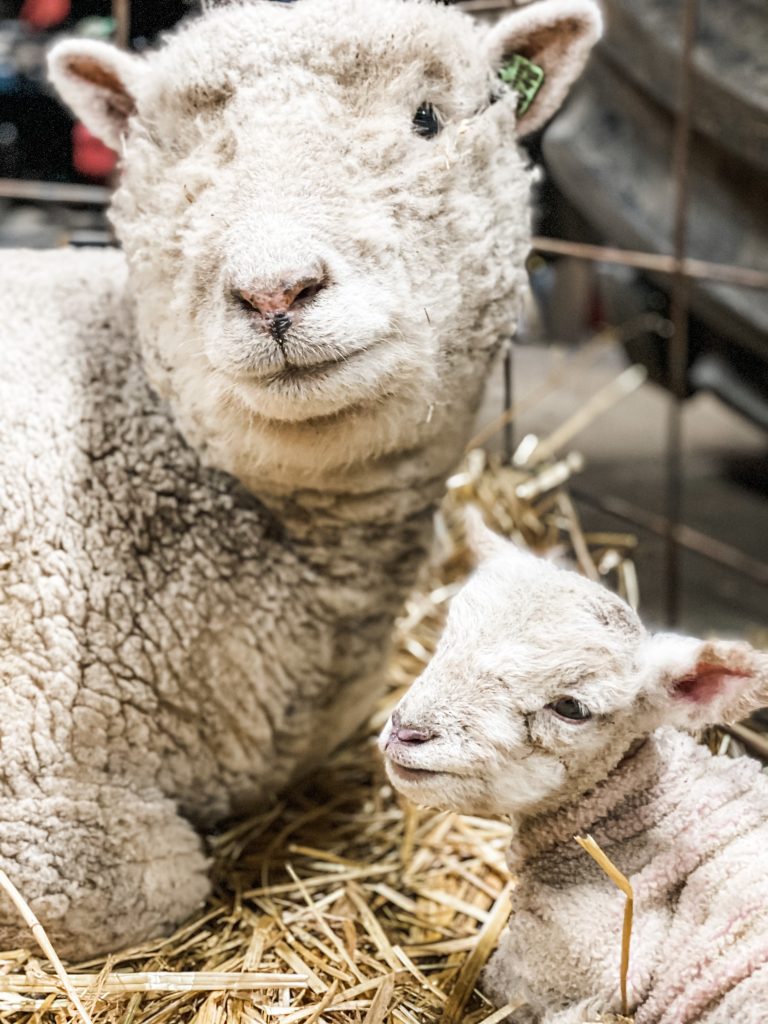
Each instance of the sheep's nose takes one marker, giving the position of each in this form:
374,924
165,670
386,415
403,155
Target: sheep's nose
285,299
406,734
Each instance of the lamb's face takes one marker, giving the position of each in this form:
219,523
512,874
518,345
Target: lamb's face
542,681
325,217
533,693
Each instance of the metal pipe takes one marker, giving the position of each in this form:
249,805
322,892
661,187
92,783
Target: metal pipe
54,192
660,263
680,294
685,536
121,12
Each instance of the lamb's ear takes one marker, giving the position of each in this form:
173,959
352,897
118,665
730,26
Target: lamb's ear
97,81
698,682
540,50
482,542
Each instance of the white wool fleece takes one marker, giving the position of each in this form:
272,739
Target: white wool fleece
179,643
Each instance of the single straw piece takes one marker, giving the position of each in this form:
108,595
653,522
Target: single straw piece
604,399
621,882
44,942
453,1011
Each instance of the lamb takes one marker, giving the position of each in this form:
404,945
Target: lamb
548,701
221,447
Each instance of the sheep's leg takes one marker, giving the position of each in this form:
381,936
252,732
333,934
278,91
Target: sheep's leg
100,865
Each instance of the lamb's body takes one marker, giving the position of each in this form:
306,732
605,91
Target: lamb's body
167,640
544,702
691,832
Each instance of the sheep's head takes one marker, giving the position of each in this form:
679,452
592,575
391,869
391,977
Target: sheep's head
325,213
542,682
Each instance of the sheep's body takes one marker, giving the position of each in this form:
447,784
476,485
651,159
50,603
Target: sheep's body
167,641
691,832
172,643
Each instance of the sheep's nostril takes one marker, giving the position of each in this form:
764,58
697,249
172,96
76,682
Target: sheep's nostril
272,303
404,735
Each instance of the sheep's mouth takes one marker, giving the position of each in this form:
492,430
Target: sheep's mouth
293,373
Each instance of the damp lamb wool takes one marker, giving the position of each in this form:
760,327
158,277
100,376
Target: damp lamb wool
221,447
548,701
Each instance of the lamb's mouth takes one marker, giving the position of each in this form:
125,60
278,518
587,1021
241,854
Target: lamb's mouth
405,774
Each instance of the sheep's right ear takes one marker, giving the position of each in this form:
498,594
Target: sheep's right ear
700,682
98,82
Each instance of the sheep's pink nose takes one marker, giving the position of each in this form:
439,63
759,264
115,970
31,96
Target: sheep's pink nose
406,734
285,298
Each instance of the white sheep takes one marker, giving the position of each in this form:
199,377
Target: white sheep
324,218
549,702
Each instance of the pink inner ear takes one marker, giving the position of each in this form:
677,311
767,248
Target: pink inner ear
706,682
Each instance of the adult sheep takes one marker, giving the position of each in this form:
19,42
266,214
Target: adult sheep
324,218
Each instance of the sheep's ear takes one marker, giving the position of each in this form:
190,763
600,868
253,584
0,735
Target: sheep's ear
698,682
482,542
97,81
540,51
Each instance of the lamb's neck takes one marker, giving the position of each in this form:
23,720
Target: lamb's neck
636,775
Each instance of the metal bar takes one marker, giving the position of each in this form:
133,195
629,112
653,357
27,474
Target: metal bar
680,294
481,6
54,192
509,399
121,12
685,536
745,277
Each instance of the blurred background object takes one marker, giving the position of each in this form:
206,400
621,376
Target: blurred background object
39,141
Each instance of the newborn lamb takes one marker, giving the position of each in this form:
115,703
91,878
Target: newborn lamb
549,702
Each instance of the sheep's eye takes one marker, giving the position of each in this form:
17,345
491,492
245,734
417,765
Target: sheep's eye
571,709
425,122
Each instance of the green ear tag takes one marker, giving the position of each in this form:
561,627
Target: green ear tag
525,77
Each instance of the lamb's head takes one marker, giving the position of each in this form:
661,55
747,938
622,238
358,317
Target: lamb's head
325,212
542,682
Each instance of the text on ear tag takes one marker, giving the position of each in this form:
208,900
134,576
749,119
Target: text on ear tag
525,77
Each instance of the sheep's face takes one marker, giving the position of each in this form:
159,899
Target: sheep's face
324,212
541,683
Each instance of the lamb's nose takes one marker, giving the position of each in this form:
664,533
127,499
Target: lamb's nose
405,734
285,299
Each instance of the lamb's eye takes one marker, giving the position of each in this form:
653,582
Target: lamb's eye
570,709
425,121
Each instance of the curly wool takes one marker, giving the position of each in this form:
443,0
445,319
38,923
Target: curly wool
173,651
690,831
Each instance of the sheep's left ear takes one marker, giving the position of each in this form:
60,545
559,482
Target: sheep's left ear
699,682
540,50
98,82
